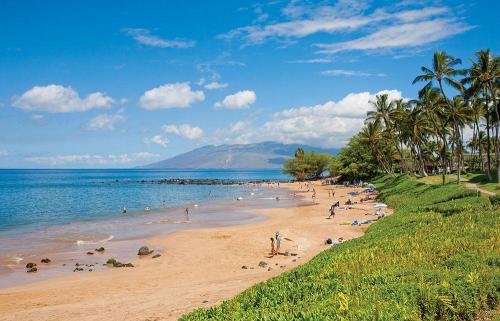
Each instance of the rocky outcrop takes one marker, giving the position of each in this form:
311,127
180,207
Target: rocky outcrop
144,250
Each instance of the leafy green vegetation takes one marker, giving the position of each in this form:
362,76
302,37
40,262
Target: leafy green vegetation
426,135
355,161
479,178
306,165
436,258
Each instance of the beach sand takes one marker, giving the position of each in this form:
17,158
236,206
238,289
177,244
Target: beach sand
198,268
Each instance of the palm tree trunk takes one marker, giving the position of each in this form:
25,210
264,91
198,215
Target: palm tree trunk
459,152
422,164
488,145
497,120
479,146
444,131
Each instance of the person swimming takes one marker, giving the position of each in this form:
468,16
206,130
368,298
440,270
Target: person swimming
124,211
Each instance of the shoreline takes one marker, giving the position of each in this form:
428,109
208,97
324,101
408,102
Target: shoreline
198,267
69,252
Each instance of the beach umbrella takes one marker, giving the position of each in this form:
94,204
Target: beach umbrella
379,205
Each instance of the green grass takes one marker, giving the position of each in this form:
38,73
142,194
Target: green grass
436,258
479,178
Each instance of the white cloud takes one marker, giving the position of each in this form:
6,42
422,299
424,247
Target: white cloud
60,99
38,119
106,121
353,73
239,100
331,124
175,95
400,36
215,85
93,159
4,152
392,26
184,130
144,37
311,61
157,139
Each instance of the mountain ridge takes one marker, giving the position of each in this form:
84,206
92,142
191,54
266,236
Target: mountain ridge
264,155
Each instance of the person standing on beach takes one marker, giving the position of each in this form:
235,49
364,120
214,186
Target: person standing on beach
332,211
278,242
187,213
273,251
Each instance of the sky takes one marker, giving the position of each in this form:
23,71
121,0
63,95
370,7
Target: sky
104,84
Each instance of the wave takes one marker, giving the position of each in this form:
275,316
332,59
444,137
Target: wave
81,242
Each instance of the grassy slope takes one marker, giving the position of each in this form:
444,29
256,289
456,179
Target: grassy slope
481,179
438,257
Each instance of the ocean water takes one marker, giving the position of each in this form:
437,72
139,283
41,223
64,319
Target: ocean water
33,199
63,214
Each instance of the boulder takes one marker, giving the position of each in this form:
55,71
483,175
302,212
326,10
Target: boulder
144,250
32,270
46,260
128,265
329,241
262,264
244,267
101,249
90,253
30,265
156,256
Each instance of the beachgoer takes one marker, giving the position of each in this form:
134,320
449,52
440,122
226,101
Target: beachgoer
278,242
124,210
333,193
187,213
277,199
273,251
332,211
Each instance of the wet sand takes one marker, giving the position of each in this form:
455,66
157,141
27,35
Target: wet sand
198,268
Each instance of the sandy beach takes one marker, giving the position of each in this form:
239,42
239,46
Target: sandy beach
198,268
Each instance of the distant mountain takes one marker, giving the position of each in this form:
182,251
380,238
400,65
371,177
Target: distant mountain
266,155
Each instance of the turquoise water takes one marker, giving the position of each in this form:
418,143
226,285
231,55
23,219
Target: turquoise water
33,199
63,214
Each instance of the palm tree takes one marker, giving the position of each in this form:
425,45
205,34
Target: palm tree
431,101
478,111
383,107
372,135
483,77
442,70
459,115
419,129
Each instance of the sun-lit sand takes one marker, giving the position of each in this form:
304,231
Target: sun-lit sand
199,268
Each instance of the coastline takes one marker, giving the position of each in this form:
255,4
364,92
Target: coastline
198,268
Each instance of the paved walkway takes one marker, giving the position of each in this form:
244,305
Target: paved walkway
475,187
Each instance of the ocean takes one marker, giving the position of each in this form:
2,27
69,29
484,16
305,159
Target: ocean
65,213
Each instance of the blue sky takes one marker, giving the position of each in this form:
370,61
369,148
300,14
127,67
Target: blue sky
118,84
